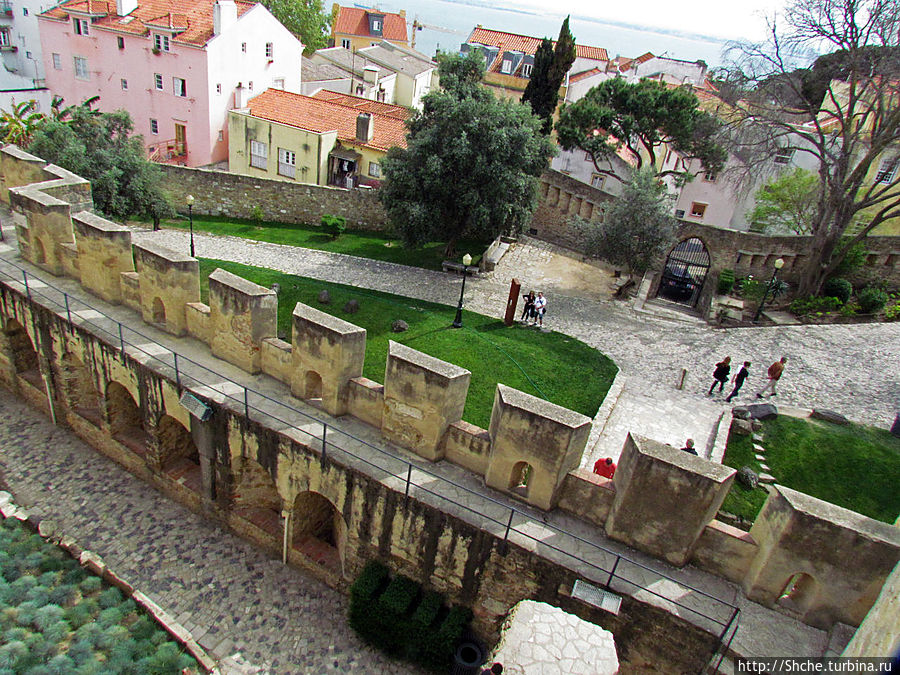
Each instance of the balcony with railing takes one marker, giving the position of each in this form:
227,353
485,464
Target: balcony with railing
168,152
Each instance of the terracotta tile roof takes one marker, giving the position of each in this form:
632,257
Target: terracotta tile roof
317,115
353,21
584,75
362,104
192,19
524,43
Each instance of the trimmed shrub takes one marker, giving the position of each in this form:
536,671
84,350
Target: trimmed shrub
46,616
91,584
871,300
334,225
838,288
814,305
726,282
111,597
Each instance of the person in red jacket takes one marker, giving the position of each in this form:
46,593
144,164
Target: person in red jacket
774,373
605,467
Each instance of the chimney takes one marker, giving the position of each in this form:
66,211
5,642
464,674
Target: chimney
364,130
370,74
125,7
224,15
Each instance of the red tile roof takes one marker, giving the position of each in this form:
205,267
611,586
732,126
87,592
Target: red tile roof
529,45
317,115
193,19
583,75
362,104
353,21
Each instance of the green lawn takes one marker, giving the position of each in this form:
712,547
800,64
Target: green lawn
853,466
57,618
549,365
374,245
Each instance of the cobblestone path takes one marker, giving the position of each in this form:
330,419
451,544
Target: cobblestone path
854,369
231,596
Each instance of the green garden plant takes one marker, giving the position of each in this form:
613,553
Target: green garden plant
335,226
871,300
838,288
726,282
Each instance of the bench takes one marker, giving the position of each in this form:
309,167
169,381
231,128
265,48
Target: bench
459,268
621,285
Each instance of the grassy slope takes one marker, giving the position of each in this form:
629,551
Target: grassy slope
374,245
853,466
551,365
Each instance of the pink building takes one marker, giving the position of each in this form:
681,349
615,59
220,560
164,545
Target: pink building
178,66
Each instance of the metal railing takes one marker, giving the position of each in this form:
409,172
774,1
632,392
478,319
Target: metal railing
607,568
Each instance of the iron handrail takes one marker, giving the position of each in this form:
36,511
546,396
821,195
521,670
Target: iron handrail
409,465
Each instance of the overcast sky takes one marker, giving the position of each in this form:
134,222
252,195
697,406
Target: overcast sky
720,18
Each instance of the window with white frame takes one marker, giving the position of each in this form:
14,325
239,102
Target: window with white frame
160,42
597,180
784,156
4,37
506,67
278,83
374,170
158,81
526,69
81,68
887,170
179,86
57,61
259,155
154,127
287,163
80,25
270,50
376,25
345,43
124,83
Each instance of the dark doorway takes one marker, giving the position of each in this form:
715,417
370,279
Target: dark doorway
685,272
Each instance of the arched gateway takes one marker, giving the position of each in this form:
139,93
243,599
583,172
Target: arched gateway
685,272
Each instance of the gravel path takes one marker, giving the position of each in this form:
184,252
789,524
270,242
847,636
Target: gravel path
853,369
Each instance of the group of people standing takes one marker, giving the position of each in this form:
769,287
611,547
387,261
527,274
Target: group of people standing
535,308
723,370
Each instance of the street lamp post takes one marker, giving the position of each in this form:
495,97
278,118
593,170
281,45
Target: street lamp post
769,287
189,200
467,260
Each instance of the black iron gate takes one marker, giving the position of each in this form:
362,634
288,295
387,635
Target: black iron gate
685,272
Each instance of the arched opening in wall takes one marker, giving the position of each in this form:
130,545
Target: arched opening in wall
40,255
520,477
319,530
685,272
158,312
179,458
798,594
124,418
78,388
256,498
24,356
313,385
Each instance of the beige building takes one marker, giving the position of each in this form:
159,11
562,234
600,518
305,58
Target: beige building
326,139
354,28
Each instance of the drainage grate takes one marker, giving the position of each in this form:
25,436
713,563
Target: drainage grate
596,597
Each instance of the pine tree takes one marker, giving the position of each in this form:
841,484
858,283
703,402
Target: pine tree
551,64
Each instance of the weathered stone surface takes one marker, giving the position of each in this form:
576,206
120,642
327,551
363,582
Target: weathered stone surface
747,477
741,426
757,425
740,412
829,416
399,326
762,411
352,306
324,297
766,478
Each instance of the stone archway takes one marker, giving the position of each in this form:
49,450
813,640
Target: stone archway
178,456
126,424
78,388
519,478
24,356
256,498
685,272
40,255
319,531
158,312
799,594
313,385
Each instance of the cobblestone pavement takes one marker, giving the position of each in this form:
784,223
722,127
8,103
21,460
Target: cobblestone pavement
849,368
230,595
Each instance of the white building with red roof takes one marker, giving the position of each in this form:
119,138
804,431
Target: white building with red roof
177,66
326,139
354,27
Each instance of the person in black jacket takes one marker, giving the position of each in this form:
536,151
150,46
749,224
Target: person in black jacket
720,375
739,381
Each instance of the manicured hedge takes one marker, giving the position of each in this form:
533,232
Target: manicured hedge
401,619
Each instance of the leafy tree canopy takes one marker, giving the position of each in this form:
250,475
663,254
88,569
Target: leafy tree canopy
470,166
644,117
461,75
100,148
786,204
636,228
550,67
304,18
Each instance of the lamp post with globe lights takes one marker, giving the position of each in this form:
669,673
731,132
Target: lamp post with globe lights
769,287
467,260
189,200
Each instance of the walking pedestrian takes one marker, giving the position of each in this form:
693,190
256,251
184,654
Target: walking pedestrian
540,307
720,375
738,381
528,310
774,374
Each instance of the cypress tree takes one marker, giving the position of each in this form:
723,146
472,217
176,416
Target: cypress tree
548,74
